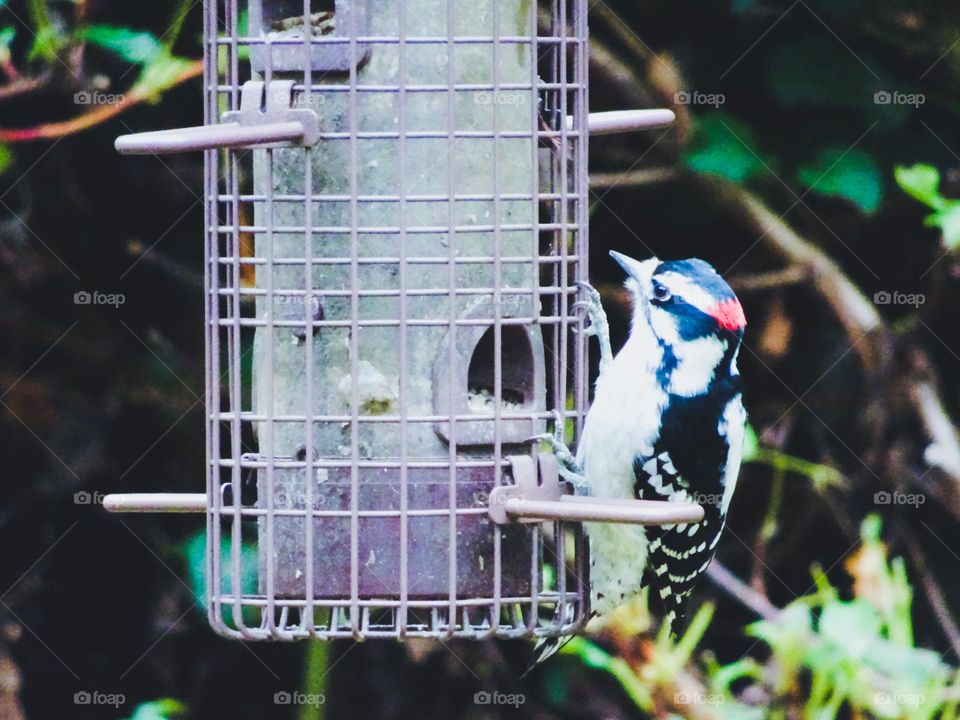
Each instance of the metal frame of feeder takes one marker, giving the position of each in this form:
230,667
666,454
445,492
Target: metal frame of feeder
433,515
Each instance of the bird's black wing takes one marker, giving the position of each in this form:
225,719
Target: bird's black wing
677,555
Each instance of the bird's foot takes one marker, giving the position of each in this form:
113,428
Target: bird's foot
567,464
599,326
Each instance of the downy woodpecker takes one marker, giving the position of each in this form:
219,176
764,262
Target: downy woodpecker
666,423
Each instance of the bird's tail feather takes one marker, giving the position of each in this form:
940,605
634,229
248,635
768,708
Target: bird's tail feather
545,649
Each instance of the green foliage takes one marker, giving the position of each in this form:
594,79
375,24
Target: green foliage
160,67
316,671
194,551
7,36
751,444
47,37
52,37
161,73
922,182
164,709
724,146
839,656
822,476
595,658
132,45
669,659
6,158
826,656
853,175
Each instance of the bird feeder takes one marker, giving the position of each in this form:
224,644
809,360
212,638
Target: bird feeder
396,210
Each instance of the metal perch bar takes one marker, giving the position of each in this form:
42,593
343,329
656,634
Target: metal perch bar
568,508
296,132
208,137
621,121
155,502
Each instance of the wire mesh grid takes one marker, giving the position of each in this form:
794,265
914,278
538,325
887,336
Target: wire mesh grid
389,317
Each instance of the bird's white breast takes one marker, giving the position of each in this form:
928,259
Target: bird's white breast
623,421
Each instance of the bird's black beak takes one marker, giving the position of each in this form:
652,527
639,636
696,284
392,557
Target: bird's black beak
642,272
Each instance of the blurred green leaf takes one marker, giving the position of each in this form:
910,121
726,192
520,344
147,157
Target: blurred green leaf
948,221
47,39
162,72
853,175
850,626
725,147
164,709
46,42
922,182
195,553
134,46
595,658
6,158
751,445
7,36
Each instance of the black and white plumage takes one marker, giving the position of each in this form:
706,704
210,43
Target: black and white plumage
666,423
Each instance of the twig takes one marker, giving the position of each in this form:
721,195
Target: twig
934,593
794,275
632,178
768,529
102,113
167,264
734,586
856,312
944,449
23,84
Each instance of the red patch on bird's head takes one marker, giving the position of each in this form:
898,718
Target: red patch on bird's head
729,314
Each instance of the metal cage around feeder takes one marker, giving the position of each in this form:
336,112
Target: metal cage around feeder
396,216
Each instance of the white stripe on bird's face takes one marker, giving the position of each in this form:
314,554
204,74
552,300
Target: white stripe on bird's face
697,360
683,287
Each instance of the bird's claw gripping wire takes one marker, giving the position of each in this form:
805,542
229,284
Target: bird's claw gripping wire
567,464
598,326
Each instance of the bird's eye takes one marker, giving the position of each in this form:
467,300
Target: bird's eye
661,293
